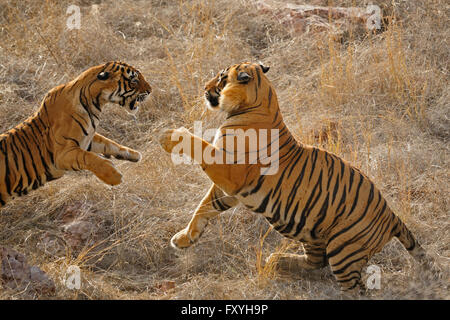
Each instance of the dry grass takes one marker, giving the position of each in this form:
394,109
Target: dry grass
381,100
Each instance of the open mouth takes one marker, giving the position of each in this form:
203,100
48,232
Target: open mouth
141,97
213,101
133,105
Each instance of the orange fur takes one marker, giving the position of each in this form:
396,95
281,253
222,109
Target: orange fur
315,197
61,135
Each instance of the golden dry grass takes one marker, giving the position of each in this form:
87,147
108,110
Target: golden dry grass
381,100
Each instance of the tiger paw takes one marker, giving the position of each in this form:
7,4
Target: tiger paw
171,137
109,174
182,239
130,155
289,263
134,156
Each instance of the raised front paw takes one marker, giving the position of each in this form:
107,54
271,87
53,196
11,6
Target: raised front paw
171,137
109,174
183,239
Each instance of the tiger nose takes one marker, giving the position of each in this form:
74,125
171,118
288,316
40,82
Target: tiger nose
145,88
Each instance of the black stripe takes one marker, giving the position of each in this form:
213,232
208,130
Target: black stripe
18,190
342,168
339,249
293,192
341,270
330,171
373,222
15,152
258,74
25,144
96,103
310,203
36,141
81,126
288,227
7,171
217,203
379,232
306,211
276,116
352,173
72,139
336,187
85,106
357,194
26,148
358,278
40,123
321,215
20,153
313,165
256,93
270,97
258,185
276,216
36,144
296,159
277,187
244,111
262,207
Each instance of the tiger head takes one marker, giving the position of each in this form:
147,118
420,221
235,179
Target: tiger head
116,82
238,86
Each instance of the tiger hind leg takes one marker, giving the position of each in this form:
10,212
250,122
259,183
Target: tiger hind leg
313,258
347,263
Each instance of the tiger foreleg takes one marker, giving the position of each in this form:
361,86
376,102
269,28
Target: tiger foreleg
76,159
108,148
181,141
214,202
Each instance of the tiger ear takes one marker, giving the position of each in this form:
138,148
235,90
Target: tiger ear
103,75
243,77
264,69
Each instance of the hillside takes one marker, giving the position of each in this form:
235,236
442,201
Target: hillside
380,100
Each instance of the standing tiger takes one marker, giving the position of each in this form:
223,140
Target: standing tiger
61,135
315,197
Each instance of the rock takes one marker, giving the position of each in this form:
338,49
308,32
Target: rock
81,226
16,274
41,282
308,18
78,233
50,244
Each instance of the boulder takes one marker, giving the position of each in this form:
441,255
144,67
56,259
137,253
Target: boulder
311,18
16,274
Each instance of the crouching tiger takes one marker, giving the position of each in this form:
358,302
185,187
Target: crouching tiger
61,135
315,197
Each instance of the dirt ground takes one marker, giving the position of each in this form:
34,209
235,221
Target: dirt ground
378,99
